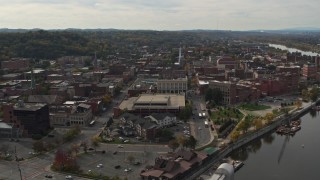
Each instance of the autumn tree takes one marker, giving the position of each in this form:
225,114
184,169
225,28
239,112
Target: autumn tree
181,139
65,162
173,144
258,123
107,99
298,104
235,135
131,158
305,94
75,148
95,141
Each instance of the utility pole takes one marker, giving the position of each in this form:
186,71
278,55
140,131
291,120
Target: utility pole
15,151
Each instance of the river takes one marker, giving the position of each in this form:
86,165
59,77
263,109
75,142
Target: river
291,50
299,160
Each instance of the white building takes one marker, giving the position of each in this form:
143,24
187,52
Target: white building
163,119
173,86
224,172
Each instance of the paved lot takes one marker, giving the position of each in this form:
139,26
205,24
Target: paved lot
89,163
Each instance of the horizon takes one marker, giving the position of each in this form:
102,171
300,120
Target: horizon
164,15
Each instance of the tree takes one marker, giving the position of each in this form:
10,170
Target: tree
181,139
234,135
107,99
131,158
65,162
190,142
258,123
84,145
269,117
305,94
95,141
165,134
75,148
38,146
313,94
173,144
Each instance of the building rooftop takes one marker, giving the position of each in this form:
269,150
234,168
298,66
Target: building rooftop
21,106
4,125
159,101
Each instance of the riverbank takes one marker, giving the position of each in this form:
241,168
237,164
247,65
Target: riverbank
252,136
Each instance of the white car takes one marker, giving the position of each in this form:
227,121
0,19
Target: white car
68,177
120,146
99,165
127,170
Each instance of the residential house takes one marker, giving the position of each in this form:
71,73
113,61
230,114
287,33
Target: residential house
163,119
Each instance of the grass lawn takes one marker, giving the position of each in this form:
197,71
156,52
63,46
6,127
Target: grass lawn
254,107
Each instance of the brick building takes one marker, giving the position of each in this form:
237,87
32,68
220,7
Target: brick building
30,118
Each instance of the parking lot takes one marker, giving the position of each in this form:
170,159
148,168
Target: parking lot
116,164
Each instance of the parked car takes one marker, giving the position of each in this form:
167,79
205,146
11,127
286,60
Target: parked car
117,167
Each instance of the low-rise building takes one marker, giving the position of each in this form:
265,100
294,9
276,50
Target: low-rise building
179,166
71,115
146,104
163,119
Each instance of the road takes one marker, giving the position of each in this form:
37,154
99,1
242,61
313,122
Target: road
197,126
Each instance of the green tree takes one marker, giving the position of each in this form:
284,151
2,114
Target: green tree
313,94
165,134
190,142
39,146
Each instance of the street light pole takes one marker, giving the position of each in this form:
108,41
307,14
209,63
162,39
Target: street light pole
15,150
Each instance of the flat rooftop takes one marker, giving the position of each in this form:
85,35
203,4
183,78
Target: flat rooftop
158,101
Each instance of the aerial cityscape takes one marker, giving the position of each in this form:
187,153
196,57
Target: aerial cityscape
160,90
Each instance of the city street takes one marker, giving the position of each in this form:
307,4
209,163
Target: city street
197,125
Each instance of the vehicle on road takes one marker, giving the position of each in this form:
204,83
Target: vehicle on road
92,123
115,152
99,165
69,177
117,167
120,146
127,170
48,176
206,124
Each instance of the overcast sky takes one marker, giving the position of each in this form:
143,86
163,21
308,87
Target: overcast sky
160,14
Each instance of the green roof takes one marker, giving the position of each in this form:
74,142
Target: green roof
210,150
